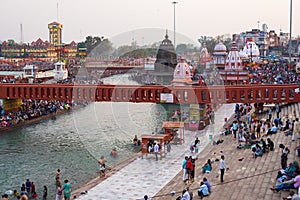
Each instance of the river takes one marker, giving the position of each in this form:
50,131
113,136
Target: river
73,142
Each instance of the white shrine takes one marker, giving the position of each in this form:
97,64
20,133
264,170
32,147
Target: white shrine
219,55
252,51
182,73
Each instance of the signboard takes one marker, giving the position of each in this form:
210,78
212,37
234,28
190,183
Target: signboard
10,104
193,125
166,98
194,112
149,66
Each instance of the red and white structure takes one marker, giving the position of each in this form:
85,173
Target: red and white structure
205,58
252,51
219,55
233,60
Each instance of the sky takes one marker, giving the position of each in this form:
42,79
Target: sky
114,18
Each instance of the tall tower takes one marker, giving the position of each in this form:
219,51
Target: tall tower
55,33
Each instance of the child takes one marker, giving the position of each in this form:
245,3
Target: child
34,195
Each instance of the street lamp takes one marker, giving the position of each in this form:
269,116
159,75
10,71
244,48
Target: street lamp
174,3
250,55
290,42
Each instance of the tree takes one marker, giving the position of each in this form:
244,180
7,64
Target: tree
140,53
181,49
212,42
209,41
123,50
104,48
91,42
11,42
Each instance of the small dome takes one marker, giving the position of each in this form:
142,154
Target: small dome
220,47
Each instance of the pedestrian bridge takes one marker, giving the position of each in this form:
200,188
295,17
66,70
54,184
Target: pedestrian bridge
154,93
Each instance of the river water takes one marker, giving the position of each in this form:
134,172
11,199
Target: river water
73,142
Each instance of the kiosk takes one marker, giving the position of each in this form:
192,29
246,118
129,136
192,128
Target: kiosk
147,140
174,131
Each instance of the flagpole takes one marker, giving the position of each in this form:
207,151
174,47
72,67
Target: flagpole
290,42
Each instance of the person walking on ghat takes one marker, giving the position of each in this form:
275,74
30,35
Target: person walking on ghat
156,151
168,146
222,167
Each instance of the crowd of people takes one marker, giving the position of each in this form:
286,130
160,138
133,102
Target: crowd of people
28,191
34,109
253,132
266,72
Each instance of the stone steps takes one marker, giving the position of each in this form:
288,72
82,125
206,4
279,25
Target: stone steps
249,179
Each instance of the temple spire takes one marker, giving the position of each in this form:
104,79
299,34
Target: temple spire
166,34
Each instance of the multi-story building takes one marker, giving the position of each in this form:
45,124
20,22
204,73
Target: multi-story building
275,46
52,50
55,33
267,42
261,38
39,49
274,40
284,38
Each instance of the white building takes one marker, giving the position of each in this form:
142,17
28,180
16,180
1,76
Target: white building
219,55
252,51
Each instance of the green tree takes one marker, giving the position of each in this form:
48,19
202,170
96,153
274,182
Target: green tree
91,42
212,42
11,42
123,50
140,53
181,49
104,48
209,41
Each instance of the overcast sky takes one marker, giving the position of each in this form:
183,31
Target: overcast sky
110,18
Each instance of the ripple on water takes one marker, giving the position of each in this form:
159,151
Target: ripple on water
73,142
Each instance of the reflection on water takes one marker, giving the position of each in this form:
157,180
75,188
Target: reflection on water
74,142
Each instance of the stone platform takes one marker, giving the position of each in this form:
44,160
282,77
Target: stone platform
148,176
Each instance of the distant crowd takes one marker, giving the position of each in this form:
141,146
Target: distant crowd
33,109
268,72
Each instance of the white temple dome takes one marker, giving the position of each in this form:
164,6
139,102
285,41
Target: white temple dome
220,55
220,47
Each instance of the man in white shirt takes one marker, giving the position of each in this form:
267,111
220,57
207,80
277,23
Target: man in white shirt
296,128
222,167
203,190
185,195
156,150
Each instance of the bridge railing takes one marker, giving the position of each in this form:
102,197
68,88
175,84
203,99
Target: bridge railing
152,93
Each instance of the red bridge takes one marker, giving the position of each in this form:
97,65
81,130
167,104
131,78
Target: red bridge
152,93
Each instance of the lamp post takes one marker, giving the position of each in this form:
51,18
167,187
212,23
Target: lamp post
290,42
250,55
174,3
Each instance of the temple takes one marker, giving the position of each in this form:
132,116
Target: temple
233,72
182,73
205,58
252,51
166,60
219,55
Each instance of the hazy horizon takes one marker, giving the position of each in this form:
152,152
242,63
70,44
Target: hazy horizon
112,18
